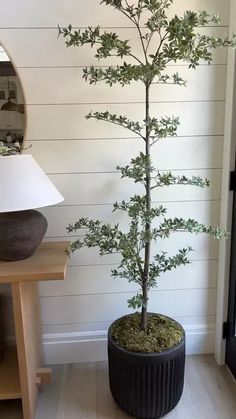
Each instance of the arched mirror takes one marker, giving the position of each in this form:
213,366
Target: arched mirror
12,110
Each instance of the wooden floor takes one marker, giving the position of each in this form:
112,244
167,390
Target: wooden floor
80,391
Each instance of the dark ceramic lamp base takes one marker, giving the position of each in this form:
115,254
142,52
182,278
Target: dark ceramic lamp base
21,232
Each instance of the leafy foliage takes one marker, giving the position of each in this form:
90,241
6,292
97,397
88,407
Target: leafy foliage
6,150
156,128
130,245
163,40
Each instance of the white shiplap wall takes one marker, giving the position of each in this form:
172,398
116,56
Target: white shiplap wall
80,157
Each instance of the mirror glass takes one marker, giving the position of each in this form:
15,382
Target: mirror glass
12,109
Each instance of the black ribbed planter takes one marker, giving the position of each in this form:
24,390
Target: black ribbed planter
146,386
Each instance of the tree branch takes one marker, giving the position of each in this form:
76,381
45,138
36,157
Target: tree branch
115,121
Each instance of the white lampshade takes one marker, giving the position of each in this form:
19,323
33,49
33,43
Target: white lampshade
24,185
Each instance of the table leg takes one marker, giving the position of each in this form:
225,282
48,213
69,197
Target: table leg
28,339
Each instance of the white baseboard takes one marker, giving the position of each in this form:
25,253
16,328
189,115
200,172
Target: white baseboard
65,348
200,339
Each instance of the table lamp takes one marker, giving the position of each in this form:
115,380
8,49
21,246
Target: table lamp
23,187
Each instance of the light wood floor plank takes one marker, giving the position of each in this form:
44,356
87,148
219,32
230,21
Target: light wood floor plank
195,403
81,391
218,386
78,392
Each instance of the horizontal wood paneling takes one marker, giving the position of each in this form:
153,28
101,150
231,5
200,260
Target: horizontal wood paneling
91,308
53,12
104,155
98,326
51,51
98,280
59,217
106,188
66,85
79,312
67,121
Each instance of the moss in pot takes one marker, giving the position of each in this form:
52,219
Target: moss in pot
162,333
146,350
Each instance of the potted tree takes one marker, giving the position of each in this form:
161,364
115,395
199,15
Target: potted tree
146,350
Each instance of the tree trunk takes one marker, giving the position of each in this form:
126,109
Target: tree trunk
148,224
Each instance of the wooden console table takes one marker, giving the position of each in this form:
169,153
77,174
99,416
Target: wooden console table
21,370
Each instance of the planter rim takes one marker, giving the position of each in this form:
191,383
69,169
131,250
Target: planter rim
146,354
